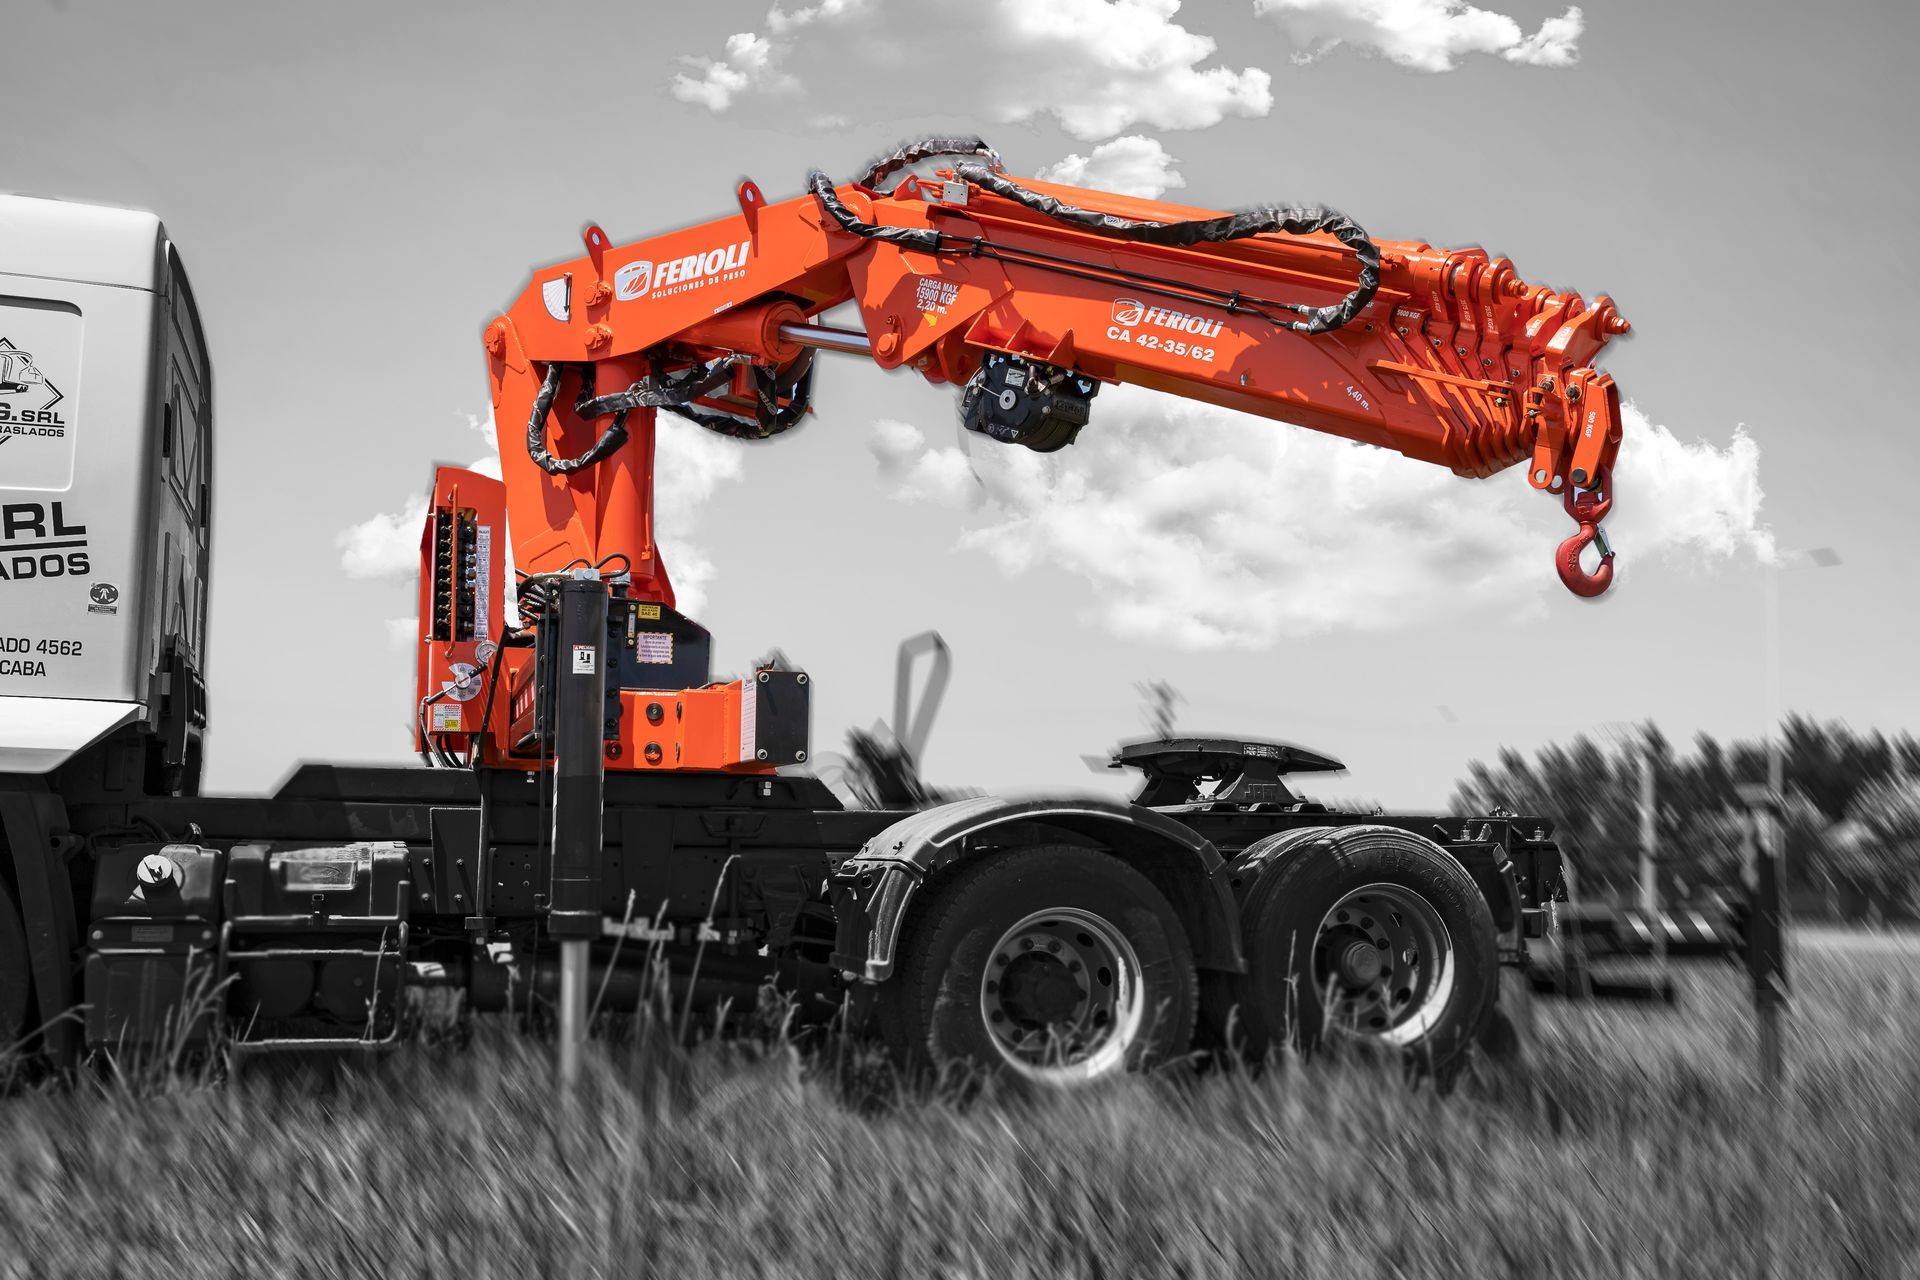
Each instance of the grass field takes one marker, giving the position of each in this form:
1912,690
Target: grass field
1640,1149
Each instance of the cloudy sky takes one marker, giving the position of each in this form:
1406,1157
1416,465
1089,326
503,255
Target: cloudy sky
358,187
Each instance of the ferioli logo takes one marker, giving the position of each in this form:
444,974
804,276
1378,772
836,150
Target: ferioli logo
680,275
1132,311
632,281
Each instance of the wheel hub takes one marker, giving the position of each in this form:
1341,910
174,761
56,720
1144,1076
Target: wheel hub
1383,962
1061,995
1360,964
1038,990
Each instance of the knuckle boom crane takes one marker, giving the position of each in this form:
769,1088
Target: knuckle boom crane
1028,296
607,772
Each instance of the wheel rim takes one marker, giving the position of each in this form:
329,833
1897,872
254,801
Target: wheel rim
1062,996
1383,964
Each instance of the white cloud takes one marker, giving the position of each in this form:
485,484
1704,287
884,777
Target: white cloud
918,473
690,462
1427,35
1555,44
1098,67
1133,165
385,545
1204,528
1687,497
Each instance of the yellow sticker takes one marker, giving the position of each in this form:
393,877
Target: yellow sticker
648,611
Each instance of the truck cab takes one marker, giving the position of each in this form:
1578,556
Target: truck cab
106,430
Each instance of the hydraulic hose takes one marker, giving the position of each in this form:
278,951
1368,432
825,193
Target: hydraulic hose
649,393
1293,220
1287,219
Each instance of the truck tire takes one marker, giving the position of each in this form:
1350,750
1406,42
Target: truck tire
1364,932
16,972
1054,964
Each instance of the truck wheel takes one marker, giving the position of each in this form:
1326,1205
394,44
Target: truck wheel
1364,932
1055,964
16,972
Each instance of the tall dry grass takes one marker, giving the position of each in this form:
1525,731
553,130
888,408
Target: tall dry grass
1634,1145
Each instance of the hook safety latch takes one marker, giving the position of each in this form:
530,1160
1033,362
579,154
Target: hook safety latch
1588,507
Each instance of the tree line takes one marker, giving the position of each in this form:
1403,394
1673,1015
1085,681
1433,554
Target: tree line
1851,817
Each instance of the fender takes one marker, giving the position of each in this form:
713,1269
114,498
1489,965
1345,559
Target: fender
872,890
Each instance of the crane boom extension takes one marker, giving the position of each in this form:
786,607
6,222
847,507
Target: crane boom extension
1029,295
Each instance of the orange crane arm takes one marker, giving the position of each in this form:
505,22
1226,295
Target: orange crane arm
1030,295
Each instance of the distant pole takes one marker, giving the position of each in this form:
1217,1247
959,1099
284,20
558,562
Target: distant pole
1650,852
1766,916
1649,835
1766,952
1770,973
1776,755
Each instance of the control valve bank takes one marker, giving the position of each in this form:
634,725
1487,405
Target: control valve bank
586,779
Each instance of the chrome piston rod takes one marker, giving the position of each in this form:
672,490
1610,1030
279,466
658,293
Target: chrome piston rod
825,338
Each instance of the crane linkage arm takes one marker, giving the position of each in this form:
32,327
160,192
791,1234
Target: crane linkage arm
1029,295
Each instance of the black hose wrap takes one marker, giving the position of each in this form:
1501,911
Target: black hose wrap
1290,219
926,149
611,439
666,393
906,237
769,418
670,393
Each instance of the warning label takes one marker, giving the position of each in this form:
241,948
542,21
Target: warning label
39,370
583,659
654,646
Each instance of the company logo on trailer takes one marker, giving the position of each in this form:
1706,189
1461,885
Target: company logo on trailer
27,398
680,275
39,540
1132,311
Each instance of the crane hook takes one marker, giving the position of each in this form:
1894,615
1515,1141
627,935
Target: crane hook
1588,507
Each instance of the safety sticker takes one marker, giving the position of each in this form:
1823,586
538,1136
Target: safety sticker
654,646
446,717
583,659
